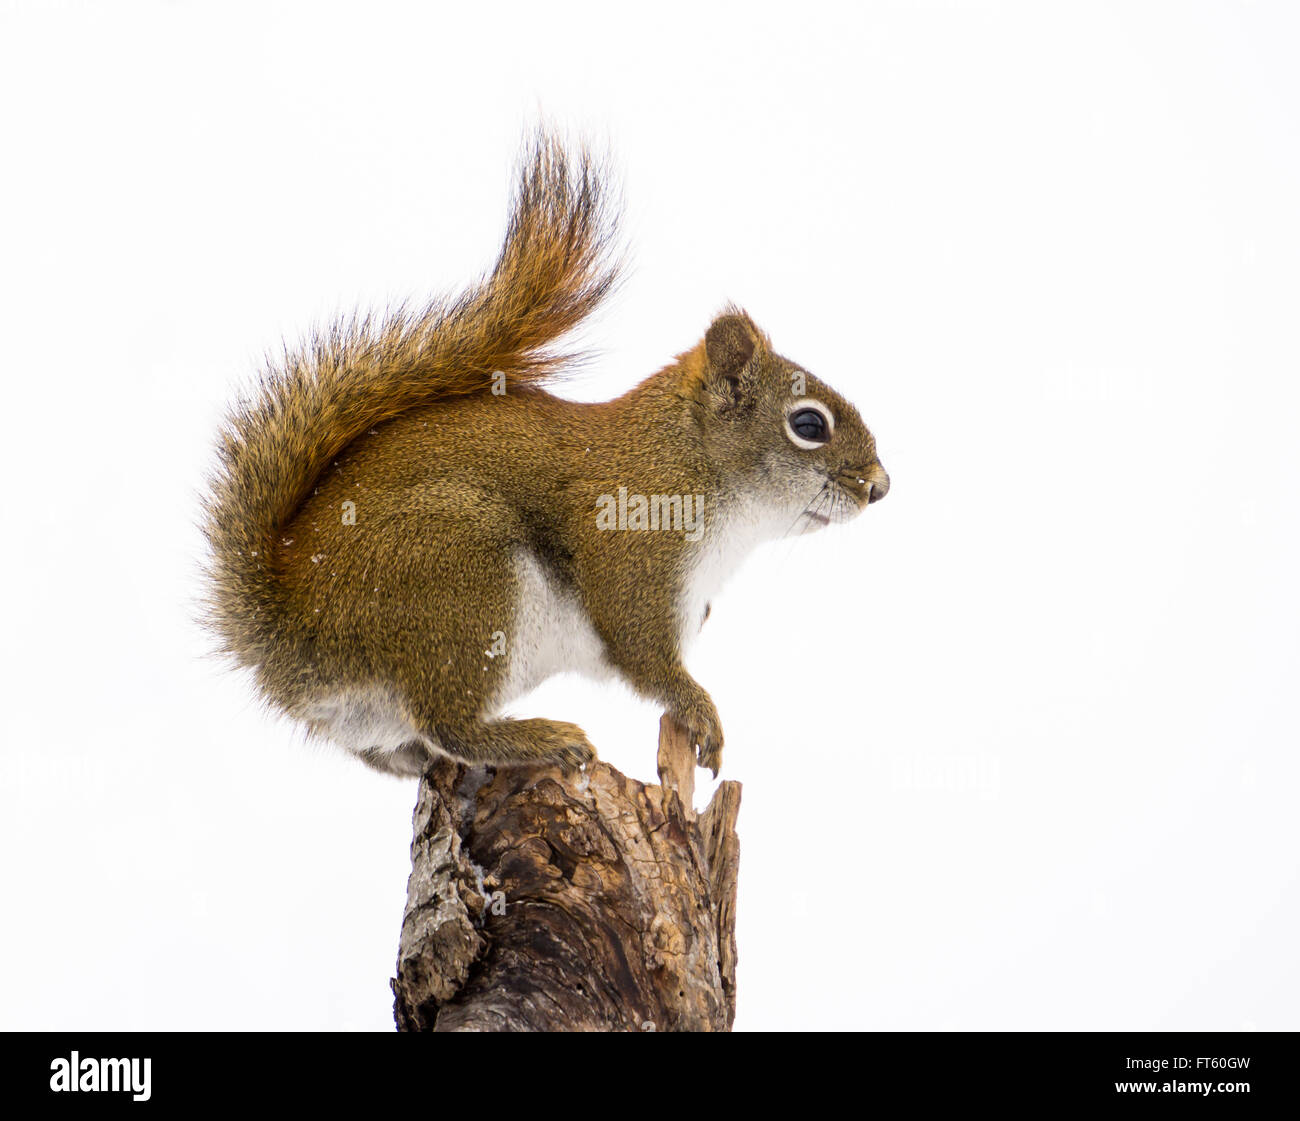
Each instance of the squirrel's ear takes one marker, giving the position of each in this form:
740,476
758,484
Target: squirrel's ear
729,344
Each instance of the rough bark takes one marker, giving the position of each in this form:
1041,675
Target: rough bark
540,901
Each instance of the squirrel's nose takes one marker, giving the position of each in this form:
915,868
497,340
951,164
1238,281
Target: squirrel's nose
871,484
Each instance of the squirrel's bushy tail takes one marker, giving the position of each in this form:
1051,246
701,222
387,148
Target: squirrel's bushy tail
553,269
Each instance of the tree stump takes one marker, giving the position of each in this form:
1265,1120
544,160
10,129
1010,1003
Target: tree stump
540,901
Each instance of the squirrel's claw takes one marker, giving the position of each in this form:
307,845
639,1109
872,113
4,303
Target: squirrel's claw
575,756
710,756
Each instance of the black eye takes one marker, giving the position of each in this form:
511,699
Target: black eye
809,424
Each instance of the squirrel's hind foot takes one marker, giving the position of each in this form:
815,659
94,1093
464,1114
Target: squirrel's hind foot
502,742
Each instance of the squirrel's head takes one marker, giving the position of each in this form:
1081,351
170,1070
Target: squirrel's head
800,447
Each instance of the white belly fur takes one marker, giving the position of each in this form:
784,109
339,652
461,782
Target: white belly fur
552,634
359,719
732,533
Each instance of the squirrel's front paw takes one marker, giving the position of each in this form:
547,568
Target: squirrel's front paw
700,719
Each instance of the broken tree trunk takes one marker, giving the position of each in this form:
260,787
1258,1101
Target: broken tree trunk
540,901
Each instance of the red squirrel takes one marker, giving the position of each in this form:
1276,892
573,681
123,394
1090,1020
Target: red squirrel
408,531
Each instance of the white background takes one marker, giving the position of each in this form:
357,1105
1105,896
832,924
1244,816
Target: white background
1018,746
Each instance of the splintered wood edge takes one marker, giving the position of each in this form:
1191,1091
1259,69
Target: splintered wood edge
722,852
676,763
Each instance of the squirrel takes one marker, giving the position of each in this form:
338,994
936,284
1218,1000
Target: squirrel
407,531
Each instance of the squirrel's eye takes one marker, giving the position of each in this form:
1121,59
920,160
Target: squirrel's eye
810,425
